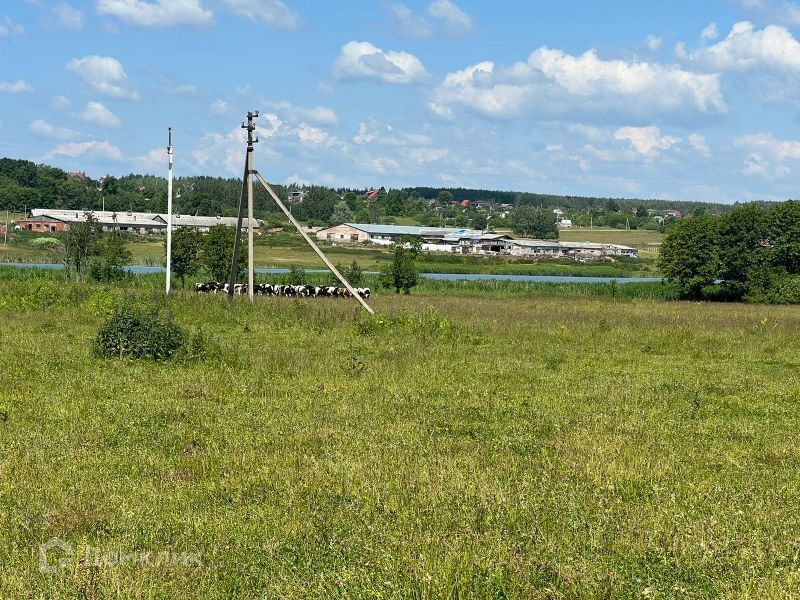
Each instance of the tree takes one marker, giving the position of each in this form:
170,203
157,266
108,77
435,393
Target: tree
401,273
112,256
353,273
533,222
80,244
480,221
341,213
742,235
690,255
186,243
216,253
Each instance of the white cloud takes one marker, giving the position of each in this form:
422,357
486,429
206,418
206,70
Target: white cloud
427,155
220,108
271,12
381,134
455,20
442,111
698,142
314,135
322,115
68,17
647,141
653,42
362,60
98,114
16,87
104,75
44,129
745,48
158,14
8,28
407,23
296,180
710,32
228,149
60,102
768,156
152,160
554,82
75,149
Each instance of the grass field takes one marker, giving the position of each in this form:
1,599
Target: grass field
530,447
645,240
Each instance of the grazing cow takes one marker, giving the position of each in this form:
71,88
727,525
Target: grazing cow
363,292
202,288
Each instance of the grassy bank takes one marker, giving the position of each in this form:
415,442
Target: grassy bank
451,447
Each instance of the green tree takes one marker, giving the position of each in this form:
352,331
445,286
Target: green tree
445,197
341,213
480,221
401,273
690,255
80,244
742,235
533,222
112,256
186,243
353,273
216,253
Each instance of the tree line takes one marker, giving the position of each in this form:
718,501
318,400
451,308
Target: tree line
750,254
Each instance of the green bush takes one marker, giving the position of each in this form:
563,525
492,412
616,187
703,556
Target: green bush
133,334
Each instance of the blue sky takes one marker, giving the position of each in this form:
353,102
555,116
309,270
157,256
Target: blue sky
681,100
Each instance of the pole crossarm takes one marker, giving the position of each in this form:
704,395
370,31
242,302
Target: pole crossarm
311,243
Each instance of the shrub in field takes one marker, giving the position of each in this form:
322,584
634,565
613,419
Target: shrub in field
134,334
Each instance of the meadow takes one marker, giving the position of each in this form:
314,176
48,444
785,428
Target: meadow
523,445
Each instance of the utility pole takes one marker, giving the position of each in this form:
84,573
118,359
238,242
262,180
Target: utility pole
5,240
247,183
169,213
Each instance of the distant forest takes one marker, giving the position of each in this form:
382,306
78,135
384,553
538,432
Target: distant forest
24,184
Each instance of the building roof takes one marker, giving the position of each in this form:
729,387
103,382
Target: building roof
374,229
134,219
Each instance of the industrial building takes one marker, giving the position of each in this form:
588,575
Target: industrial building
47,220
469,241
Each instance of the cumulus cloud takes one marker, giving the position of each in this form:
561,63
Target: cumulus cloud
710,32
322,115
653,42
553,82
698,142
68,17
271,12
9,28
647,141
44,129
20,86
60,102
158,14
296,180
746,48
97,114
381,134
455,21
96,148
767,155
448,19
220,108
229,149
104,75
316,136
362,60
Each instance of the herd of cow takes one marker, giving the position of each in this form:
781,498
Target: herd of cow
267,289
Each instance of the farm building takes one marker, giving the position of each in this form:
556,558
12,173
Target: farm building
46,220
386,234
468,241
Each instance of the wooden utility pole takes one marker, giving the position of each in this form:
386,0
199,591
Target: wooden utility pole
247,183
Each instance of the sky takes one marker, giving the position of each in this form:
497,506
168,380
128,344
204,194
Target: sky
679,100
